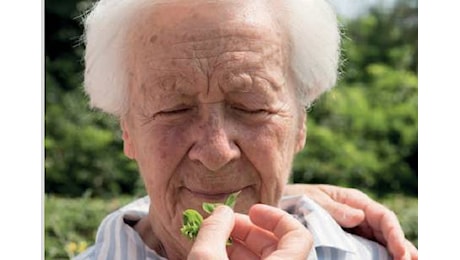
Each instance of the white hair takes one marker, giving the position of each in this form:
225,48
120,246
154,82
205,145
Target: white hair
314,43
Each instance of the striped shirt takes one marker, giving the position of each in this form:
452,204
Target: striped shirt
116,239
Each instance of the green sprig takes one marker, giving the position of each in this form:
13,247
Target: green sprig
192,219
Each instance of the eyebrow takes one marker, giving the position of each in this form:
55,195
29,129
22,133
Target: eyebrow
256,76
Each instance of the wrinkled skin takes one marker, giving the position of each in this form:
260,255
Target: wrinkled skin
211,112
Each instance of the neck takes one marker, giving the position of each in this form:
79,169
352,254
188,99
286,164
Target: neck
160,246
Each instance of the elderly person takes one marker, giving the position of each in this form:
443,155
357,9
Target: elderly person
211,99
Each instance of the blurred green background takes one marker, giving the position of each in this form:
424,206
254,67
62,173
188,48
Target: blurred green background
361,134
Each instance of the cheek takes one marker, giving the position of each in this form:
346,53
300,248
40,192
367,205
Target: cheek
160,150
271,148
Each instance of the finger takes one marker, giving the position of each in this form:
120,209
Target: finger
295,241
413,251
396,243
345,215
410,252
238,250
386,229
212,237
345,205
254,238
349,196
381,220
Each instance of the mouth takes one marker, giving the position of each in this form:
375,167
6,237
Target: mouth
212,196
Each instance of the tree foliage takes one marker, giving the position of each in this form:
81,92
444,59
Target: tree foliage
363,133
83,148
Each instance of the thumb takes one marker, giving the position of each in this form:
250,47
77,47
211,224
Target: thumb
212,237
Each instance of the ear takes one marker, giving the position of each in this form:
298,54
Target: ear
128,147
302,132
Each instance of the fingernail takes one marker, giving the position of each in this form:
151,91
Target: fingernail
223,210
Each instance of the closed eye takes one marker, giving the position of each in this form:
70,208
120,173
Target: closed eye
174,112
249,110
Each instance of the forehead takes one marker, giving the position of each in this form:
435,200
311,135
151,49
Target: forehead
170,16
200,48
202,29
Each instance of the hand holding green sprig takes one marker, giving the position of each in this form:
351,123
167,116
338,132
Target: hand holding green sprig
192,219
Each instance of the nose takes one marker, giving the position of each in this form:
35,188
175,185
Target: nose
215,145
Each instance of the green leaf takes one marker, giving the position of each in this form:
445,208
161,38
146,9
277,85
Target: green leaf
210,207
192,219
231,200
191,216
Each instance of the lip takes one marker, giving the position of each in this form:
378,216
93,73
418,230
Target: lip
212,196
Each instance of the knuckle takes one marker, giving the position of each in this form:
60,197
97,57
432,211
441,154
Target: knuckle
357,193
390,214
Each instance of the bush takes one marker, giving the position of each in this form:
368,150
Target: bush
71,224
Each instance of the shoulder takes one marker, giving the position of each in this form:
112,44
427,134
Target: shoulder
330,240
116,239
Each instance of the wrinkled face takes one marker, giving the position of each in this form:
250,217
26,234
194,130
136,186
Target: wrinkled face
211,110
